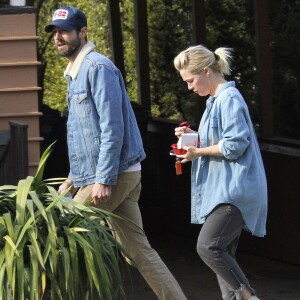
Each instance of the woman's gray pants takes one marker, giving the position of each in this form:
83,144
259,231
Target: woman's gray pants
217,244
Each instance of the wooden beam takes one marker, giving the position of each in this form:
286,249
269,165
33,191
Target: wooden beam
199,37
198,21
116,35
264,68
142,52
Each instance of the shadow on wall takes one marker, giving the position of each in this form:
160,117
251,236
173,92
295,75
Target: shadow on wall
165,197
53,128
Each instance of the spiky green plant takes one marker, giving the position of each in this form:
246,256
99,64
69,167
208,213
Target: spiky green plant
54,248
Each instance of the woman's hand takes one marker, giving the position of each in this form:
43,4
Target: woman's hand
191,154
183,129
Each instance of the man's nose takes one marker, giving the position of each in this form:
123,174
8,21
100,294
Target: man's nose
57,35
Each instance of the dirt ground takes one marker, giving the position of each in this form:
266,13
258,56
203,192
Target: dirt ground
272,280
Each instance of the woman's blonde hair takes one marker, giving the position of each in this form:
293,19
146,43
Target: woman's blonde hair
194,59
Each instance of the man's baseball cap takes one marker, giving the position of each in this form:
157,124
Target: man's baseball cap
67,18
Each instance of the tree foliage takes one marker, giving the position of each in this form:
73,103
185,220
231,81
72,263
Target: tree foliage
170,31
53,66
285,53
229,23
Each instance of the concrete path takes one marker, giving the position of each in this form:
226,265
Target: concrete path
272,280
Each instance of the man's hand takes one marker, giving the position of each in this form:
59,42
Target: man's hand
65,185
100,193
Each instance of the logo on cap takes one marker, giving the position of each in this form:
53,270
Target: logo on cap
60,14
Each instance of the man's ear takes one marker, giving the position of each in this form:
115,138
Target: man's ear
83,33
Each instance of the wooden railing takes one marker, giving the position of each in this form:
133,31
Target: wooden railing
14,154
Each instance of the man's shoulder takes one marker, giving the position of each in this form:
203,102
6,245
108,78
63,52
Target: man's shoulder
96,58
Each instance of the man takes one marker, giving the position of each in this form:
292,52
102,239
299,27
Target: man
104,144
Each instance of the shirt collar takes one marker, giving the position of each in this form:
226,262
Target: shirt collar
211,99
73,68
223,87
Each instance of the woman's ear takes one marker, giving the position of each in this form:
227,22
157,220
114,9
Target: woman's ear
206,71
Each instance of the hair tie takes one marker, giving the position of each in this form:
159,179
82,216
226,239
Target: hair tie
217,57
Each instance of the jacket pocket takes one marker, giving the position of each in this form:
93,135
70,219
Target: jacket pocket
82,104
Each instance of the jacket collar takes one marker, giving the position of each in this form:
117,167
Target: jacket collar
73,68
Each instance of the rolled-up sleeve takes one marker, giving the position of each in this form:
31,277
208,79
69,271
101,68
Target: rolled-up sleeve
235,129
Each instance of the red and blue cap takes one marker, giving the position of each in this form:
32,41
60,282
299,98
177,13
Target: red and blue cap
67,18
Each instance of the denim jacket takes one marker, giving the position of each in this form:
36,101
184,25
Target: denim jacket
238,176
103,136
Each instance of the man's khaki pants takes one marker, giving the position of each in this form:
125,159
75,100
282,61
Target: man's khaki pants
124,202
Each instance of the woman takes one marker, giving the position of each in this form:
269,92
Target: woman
229,189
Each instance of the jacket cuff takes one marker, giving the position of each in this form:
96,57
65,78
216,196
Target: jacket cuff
106,179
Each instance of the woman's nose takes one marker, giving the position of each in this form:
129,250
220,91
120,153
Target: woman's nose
190,87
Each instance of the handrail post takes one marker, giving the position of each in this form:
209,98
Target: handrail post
19,150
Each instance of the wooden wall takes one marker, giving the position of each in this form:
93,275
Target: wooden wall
18,76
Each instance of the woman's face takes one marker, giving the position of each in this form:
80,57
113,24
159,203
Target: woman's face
198,83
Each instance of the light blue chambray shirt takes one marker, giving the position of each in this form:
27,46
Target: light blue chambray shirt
238,177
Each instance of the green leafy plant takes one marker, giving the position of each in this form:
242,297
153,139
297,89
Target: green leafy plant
54,248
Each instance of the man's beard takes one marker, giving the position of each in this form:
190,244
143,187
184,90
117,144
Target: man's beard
73,46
